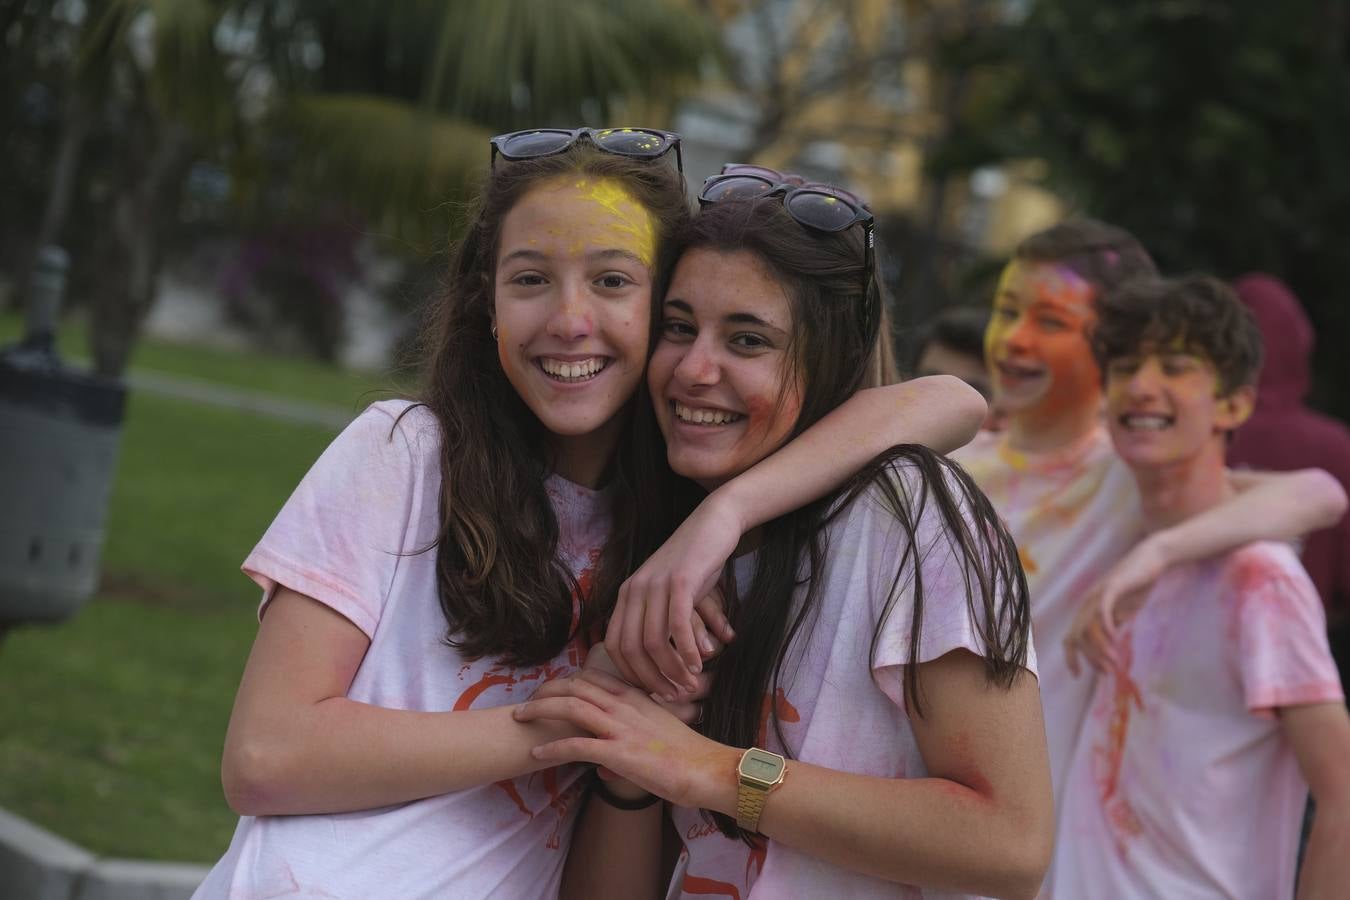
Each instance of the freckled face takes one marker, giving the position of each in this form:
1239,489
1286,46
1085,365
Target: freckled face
1164,407
720,376
572,299
1040,360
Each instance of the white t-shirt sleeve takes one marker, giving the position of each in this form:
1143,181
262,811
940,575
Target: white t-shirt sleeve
340,537
1283,653
949,620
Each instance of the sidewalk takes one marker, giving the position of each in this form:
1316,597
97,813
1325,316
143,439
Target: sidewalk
37,865
274,406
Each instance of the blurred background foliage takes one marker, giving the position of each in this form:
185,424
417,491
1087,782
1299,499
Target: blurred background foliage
267,155
1218,131
302,112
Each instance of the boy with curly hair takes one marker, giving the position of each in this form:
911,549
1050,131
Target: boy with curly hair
1222,704
1067,499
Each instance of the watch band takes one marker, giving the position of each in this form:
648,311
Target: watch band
757,774
750,806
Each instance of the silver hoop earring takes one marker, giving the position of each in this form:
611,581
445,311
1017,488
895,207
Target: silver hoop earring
494,332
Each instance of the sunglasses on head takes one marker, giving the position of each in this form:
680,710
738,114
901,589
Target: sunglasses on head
822,207
639,143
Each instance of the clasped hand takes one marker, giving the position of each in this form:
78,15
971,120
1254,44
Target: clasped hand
670,615
1118,596
633,736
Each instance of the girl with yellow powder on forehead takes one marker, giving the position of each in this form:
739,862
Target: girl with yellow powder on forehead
438,562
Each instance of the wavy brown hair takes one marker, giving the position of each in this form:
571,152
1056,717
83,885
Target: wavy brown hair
1197,312
501,585
1104,255
834,346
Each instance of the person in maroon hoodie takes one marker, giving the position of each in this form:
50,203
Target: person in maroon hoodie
1283,434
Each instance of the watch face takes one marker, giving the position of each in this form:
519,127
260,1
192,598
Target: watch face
761,766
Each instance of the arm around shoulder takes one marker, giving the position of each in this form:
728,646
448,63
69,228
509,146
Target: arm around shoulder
939,411
1268,506
1301,501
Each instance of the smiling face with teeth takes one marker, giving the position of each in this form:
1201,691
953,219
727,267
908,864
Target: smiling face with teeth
1164,407
721,376
1040,360
572,300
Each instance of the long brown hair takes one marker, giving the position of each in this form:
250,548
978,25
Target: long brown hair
501,585
833,347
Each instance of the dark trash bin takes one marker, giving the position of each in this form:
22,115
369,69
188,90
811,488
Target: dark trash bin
59,434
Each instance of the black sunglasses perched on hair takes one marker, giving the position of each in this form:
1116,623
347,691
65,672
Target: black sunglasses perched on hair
640,143
823,207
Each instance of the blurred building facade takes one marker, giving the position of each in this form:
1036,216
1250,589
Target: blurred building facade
853,93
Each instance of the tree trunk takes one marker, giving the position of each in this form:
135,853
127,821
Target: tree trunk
76,123
130,253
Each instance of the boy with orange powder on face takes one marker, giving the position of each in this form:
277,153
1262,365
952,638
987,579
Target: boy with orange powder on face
1053,477
1222,704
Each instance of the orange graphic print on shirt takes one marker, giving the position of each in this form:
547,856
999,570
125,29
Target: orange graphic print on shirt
558,801
693,884
782,709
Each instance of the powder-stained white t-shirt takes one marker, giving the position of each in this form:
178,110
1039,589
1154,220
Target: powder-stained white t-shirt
1183,783
351,537
1074,513
839,708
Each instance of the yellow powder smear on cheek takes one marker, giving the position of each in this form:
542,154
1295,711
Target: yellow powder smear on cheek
622,218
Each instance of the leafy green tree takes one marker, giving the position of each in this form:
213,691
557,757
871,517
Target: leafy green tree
1216,130
399,109
383,107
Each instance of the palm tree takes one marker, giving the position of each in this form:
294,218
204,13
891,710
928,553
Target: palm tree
478,67
386,102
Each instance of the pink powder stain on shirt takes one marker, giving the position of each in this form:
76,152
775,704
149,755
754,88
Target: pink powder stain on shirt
1108,755
1262,592
1249,572
1257,578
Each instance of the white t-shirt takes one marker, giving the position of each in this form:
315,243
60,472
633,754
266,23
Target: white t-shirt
837,710
1183,784
1074,513
350,538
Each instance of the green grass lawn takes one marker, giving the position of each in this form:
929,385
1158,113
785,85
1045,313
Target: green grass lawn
111,723
298,378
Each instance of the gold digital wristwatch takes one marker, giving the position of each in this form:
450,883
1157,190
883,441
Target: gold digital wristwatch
758,773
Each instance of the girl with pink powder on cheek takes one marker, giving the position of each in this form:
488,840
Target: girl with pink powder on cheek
438,562
875,729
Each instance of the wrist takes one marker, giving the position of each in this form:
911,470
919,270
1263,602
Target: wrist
729,503
716,787
1162,545
545,731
